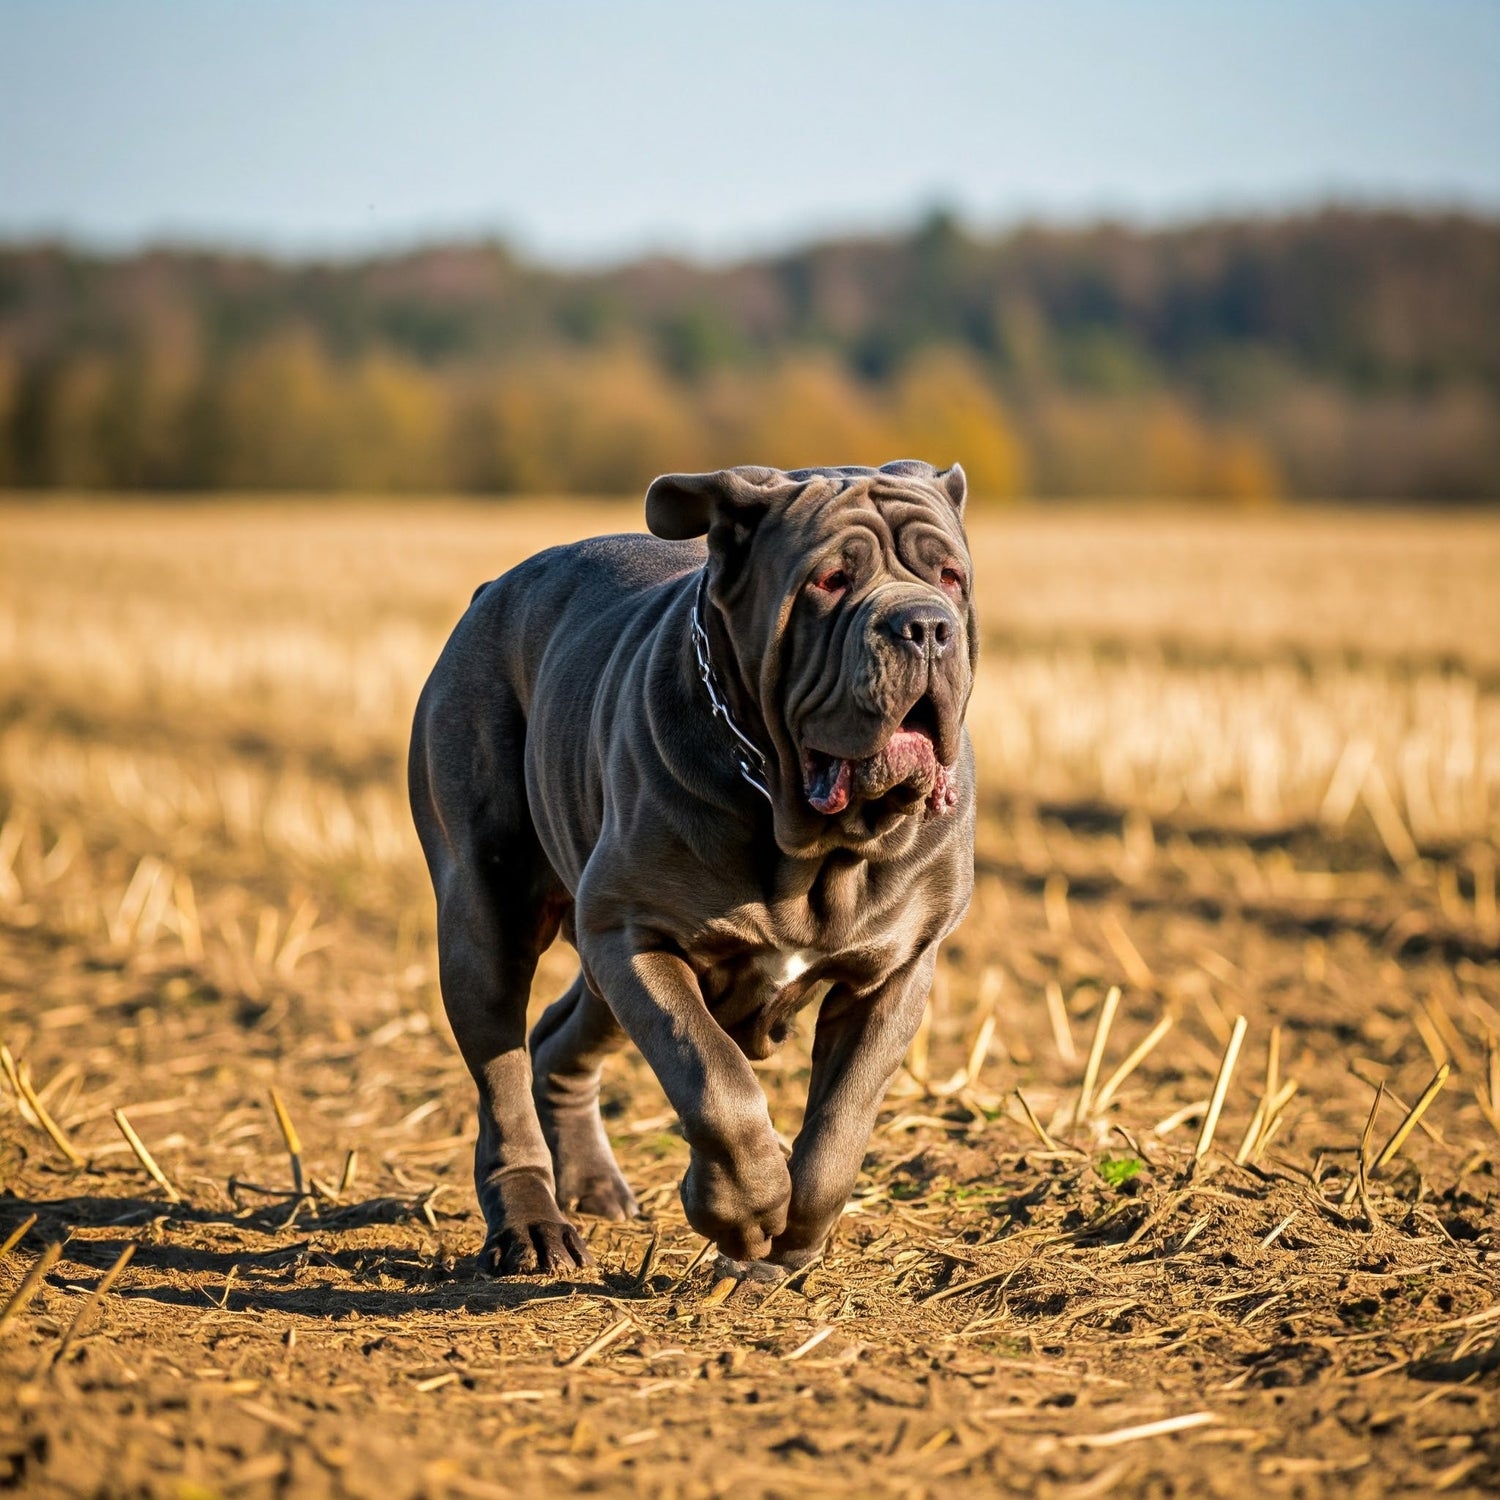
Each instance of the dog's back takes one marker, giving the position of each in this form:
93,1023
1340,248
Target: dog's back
538,639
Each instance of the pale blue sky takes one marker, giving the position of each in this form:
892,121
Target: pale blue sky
589,130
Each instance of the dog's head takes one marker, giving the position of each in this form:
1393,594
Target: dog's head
841,618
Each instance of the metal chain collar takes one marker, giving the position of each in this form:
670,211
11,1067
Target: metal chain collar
747,754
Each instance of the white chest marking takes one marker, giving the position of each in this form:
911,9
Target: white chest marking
784,965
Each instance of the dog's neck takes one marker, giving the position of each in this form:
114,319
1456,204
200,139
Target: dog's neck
734,746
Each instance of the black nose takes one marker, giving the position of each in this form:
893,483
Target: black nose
922,627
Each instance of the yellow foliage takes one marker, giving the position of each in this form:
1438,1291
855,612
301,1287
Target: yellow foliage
277,416
77,452
806,413
1156,448
392,428
615,421
593,424
10,383
1175,452
1245,471
290,419
601,421
945,412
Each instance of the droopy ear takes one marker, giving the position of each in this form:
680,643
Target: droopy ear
955,482
685,505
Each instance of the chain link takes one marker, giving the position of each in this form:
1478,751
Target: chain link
747,754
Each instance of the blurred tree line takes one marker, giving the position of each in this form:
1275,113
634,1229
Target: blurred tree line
1336,354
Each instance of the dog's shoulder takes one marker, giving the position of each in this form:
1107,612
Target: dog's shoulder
581,597
611,565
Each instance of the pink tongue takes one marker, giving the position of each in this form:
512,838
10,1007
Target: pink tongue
911,748
829,793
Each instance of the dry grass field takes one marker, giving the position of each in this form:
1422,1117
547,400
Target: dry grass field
1242,767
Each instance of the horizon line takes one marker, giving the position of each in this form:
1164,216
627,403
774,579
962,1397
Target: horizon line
990,230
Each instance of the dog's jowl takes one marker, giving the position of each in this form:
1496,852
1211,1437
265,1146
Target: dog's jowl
736,777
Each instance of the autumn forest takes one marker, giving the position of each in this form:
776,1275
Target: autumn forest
1343,354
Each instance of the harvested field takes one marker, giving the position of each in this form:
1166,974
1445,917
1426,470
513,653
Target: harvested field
1232,767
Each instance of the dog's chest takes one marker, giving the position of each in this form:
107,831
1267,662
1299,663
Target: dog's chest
758,978
783,966
755,993
762,966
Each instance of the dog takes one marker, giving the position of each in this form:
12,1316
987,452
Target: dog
734,774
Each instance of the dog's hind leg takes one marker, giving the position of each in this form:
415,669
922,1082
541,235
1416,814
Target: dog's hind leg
568,1047
499,906
486,965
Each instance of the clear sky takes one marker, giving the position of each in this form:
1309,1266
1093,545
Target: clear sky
588,131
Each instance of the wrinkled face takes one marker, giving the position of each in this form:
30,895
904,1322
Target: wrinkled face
875,668
846,599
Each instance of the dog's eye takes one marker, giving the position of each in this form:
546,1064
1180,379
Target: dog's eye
835,582
953,579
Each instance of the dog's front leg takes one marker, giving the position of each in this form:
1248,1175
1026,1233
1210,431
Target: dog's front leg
858,1044
737,1187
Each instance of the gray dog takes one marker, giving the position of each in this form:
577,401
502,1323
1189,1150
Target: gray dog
736,782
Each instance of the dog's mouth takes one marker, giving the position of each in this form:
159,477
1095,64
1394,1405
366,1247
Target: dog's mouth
904,772
826,780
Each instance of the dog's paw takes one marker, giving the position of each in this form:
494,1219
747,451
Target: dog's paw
740,1204
541,1247
777,1266
588,1177
605,1195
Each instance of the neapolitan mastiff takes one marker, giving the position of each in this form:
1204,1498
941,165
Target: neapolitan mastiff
736,781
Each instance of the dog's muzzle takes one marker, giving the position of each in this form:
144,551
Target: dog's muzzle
912,639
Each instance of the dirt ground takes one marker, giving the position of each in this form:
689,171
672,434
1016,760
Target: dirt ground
208,892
